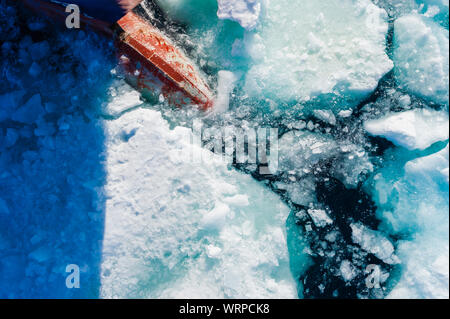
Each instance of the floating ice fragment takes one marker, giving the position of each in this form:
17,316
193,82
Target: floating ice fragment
320,217
34,70
417,207
347,270
9,102
41,254
331,50
245,12
326,115
435,166
29,112
414,129
123,98
11,137
374,242
216,218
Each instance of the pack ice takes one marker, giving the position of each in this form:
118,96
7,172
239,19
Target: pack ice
414,129
175,228
421,57
412,200
332,51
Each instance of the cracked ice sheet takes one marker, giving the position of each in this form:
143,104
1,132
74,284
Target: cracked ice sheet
176,229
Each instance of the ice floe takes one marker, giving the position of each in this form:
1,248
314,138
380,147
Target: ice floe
246,12
414,129
374,242
301,152
175,228
421,57
414,205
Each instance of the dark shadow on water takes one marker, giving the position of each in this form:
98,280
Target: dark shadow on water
52,207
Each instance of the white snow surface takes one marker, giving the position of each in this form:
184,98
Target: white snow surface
421,57
179,229
336,50
245,12
420,210
413,129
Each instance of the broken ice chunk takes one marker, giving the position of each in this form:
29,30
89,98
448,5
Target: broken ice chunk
435,166
415,129
216,218
11,137
320,217
123,98
332,50
29,112
421,57
417,207
348,271
34,70
166,250
9,102
326,115
245,12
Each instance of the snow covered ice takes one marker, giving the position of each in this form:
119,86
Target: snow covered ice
202,231
415,129
246,12
318,55
94,174
421,57
416,206
413,203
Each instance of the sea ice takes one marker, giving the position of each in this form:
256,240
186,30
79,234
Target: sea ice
332,50
374,242
320,217
436,9
29,112
421,57
300,152
414,205
122,99
348,272
414,129
179,229
246,12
